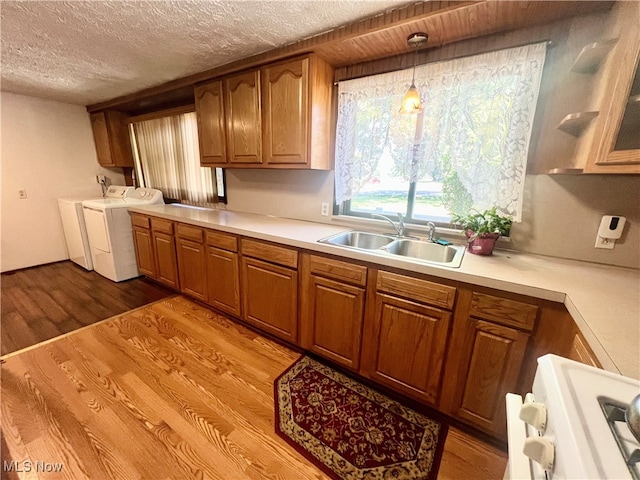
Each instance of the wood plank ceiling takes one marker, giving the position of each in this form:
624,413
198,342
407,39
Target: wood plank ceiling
378,37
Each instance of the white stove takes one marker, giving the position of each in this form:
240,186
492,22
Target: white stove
572,425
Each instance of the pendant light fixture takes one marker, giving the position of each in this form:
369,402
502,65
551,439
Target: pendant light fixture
411,100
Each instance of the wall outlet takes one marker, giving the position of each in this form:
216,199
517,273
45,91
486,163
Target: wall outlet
324,211
101,179
22,193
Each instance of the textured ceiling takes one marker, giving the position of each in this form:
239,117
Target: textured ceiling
86,52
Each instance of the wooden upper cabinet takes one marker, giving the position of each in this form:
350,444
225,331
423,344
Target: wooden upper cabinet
285,90
111,137
278,116
211,123
616,138
244,119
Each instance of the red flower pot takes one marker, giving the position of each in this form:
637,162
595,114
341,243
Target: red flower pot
482,244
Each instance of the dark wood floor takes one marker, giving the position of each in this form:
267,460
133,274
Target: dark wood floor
43,302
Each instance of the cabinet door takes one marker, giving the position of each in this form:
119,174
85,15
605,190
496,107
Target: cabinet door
285,91
211,132
270,296
101,139
144,252
333,315
165,256
404,346
192,268
491,371
223,279
111,137
581,352
242,108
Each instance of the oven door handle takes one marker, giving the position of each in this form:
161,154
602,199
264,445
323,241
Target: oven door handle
519,465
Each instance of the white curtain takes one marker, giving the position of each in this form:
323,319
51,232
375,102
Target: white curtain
169,158
474,130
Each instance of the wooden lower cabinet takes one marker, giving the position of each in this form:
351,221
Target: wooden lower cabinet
270,298
332,309
581,352
144,251
485,359
223,280
192,261
404,345
492,370
165,256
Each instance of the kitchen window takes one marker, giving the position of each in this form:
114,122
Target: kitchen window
466,150
167,157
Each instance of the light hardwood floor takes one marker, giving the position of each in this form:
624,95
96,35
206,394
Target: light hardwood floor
168,391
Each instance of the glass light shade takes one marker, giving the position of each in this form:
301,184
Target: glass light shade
411,101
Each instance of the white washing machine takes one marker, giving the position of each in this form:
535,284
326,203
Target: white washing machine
75,230
110,233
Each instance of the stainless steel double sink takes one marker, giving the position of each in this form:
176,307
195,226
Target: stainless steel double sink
409,248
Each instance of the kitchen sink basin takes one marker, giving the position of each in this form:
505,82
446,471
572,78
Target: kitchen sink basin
427,252
449,255
362,240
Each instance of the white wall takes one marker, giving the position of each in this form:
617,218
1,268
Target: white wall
561,213
46,148
286,193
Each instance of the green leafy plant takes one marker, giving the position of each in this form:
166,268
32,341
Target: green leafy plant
487,222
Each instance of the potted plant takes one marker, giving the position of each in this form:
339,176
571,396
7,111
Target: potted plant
483,229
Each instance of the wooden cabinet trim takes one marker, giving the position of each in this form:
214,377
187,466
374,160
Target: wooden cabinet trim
504,311
330,268
416,289
222,240
138,220
270,253
161,225
191,233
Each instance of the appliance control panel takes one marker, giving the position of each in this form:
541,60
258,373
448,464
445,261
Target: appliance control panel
119,191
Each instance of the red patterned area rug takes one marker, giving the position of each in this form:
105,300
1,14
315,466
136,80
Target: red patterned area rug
353,432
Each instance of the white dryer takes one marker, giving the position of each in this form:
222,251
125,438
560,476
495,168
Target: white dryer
75,229
110,233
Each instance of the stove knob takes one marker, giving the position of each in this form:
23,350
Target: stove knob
535,414
541,450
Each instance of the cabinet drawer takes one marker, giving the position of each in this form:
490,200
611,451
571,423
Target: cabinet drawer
161,225
191,233
138,220
504,311
348,272
416,289
270,253
222,240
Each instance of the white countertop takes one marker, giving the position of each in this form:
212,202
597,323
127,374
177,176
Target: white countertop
603,300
